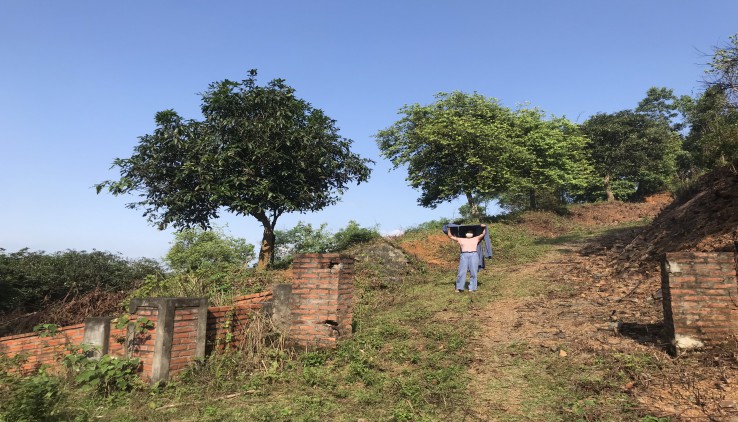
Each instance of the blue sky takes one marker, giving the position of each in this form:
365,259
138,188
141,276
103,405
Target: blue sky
80,81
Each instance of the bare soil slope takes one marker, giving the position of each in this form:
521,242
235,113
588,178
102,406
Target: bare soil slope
612,307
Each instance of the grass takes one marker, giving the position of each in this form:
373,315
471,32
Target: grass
414,342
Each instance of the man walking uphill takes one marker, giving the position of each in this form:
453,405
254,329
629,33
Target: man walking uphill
469,260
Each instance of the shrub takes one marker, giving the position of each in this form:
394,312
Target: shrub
105,376
303,238
353,234
33,398
29,280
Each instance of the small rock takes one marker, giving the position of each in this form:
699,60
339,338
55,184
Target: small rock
562,353
727,404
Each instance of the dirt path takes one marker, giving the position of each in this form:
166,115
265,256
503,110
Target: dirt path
567,309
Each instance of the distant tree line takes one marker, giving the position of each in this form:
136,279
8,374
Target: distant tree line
470,146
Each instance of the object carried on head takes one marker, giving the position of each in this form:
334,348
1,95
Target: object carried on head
462,230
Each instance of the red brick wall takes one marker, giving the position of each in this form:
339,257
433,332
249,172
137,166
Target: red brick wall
42,350
184,339
116,345
141,344
321,306
226,324
322,299
700,295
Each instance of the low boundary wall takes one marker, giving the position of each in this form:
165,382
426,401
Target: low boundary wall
168,334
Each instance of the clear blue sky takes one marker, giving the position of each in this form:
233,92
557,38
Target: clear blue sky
81,80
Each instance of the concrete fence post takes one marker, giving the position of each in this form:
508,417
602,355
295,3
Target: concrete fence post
97,334
178,338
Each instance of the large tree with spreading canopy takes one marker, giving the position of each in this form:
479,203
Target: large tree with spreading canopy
259,151
460,145
634,149
469,145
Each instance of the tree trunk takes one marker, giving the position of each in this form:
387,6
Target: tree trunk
266,253
473,206
608,189
532,199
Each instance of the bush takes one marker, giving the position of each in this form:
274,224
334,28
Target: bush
30,280
303,238
353,234
208,253
105,376
205,263
33,398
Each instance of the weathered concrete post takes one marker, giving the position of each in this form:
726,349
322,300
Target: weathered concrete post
97,334
178,338
281,311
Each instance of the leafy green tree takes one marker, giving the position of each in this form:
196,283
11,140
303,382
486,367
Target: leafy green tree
303,238
723,70
713,136
259,151
481,211
207,251
712,140
631,147
460,145
553,164
662,104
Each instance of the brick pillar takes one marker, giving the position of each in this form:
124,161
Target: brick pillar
322,300
178,336
700,294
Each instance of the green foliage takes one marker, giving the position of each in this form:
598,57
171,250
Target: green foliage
553,162
105,376
662,104
141,325
303,238
428,226
205,263
462,144
29,280
723,71
36,398
46,330
207,252
469,145
466,213
713,137
259,151
632,147
353,234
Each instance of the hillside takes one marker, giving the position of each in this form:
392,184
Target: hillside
608,304
566,325
705,219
